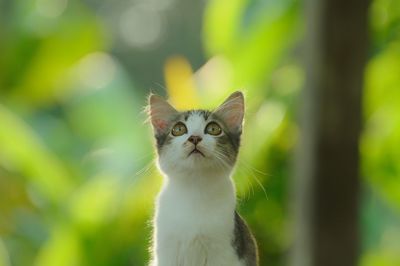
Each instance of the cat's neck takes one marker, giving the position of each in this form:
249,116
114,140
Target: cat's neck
199,180
200,187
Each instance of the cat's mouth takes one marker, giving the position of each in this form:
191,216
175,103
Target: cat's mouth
196,151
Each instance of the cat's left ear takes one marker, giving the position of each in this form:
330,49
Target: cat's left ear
161,113
231,111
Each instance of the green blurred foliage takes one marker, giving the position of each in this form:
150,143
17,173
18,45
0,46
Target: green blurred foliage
77,176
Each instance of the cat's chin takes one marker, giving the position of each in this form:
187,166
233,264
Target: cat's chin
194,163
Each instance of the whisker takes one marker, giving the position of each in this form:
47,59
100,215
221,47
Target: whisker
145,171
252,170
221,158
145,168
249,185
221,155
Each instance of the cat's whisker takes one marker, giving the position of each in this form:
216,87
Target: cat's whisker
253,168
251,171
145,169
249,185
222,162
220,158
144,172
223,158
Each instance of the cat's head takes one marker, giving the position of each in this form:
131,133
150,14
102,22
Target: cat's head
197,140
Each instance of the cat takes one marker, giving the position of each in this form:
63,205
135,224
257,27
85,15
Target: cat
195,222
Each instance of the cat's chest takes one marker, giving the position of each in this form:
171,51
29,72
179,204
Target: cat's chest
199,250
194,226
186,219
196,244
195,212
195,239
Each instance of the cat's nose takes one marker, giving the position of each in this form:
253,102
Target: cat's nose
194,139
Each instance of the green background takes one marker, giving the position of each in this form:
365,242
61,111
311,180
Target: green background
77,171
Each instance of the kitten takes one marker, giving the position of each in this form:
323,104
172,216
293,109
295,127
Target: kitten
195,221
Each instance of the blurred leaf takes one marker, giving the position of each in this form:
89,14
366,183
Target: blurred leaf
47,73
252,49
221,23
381,137
63,248
95,202
4,259
180,85
23,152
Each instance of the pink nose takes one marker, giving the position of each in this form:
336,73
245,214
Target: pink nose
194,139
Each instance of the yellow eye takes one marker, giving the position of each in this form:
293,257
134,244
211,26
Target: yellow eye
213,129
179,129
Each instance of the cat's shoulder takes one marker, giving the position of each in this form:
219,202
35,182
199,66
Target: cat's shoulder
244,242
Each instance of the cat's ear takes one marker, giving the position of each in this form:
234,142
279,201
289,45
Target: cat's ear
231,111
161,113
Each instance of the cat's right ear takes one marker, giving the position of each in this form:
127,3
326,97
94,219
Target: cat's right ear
231,111
161,113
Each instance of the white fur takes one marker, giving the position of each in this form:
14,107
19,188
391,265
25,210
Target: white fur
194,220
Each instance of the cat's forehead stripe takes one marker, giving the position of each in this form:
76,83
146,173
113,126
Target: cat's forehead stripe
204,113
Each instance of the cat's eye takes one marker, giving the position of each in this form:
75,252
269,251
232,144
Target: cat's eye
213,129
179,129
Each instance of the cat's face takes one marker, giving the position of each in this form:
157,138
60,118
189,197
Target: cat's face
197,140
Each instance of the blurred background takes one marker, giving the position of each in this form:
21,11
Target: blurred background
77,172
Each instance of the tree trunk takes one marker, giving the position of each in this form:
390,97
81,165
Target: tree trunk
327,165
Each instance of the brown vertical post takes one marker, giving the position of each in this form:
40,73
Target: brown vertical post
327,165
